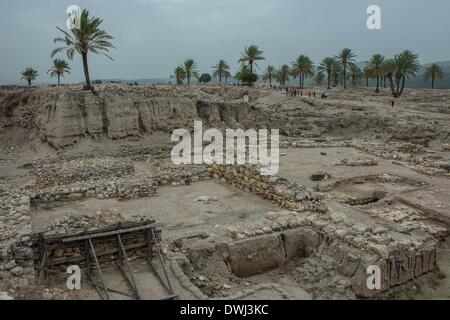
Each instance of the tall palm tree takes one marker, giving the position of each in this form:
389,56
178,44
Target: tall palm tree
401,67
220,70
283,74
375,65
190,70
367,72
355,74
302,68
433,72
336,74
179,75
327,65
29,74
250,55
227,74
60,67
88,38
345,57
319,78
269,74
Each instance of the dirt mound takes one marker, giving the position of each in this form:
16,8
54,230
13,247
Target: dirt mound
63,116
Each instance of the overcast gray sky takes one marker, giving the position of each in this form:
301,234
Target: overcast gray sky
154,36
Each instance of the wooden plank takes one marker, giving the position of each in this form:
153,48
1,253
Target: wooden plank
125,257
162,263
105,287
105,229
109,233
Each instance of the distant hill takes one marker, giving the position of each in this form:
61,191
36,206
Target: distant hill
155,81
139,81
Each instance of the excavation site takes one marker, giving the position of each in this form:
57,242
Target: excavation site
88,184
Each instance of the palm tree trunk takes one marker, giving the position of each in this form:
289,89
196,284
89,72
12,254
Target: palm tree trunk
432,82
189,79
251,66
403,86
329,80
300,80
29,82
86,70
59,79
220,78
378,84
391,82
270,81
397,85
345,77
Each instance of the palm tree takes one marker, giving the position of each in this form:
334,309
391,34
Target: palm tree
302,68
367,72
319,78
179,75
327,66
220,70
190,70
269,74
60,67
283,74
227,74
29,74
433,72
355,74
401,67
345,57
245,75
375,65
88,38
250,55
336,73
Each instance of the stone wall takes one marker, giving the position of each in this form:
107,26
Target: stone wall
274,188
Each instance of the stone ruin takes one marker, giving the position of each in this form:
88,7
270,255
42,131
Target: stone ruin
322,228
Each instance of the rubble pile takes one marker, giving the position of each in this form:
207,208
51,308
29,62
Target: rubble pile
63,173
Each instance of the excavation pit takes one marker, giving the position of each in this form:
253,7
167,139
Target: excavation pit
370,189
180,210
247,267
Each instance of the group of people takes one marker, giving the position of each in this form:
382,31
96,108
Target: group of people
294,92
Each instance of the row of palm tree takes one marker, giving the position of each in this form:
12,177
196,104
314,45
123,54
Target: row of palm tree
398,69
89,37
59,68
221,70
